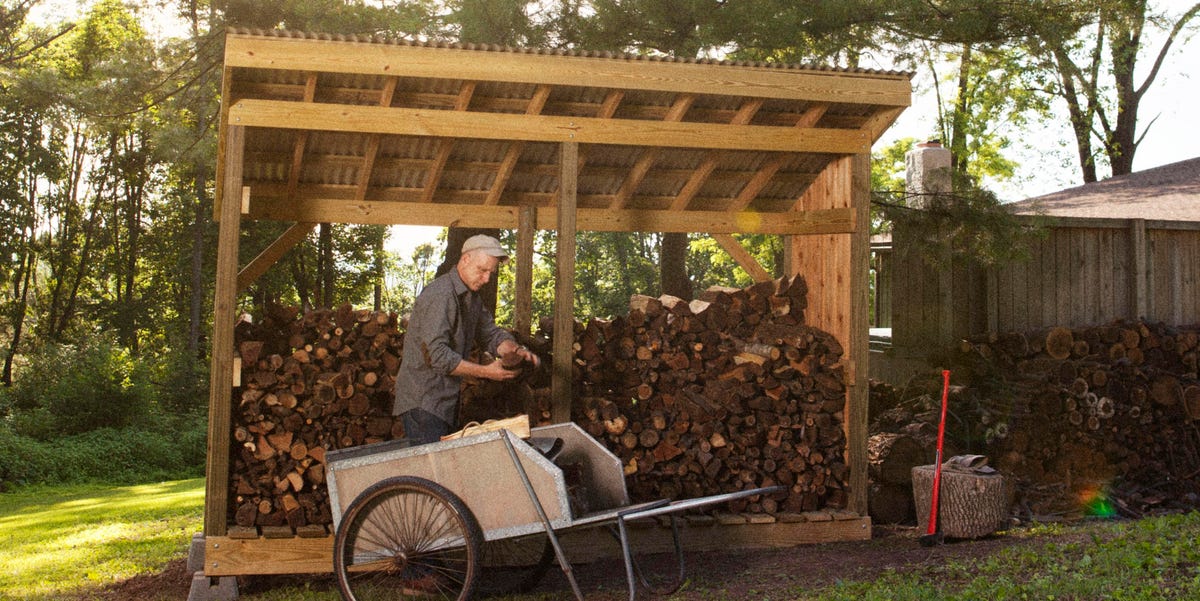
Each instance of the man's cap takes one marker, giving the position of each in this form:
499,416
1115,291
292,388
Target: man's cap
485,243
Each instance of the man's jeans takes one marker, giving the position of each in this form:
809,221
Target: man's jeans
422,427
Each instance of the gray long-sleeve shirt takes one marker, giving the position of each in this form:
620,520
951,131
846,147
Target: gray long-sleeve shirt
447,321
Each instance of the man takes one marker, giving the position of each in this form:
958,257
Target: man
447,321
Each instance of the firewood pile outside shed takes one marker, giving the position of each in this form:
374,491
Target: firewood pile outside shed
1097,420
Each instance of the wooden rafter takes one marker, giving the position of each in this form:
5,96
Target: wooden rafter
364,173
698,177
767,171
646,160
310,92
878,123
608,108
446,145
536,103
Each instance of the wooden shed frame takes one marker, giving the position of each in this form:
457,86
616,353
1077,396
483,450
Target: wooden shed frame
319,128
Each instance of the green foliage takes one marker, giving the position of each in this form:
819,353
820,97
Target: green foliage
106,455
970,224
69,389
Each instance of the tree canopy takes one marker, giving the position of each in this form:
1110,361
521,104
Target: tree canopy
108,139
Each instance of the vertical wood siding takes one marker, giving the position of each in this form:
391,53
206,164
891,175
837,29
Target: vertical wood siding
1082,273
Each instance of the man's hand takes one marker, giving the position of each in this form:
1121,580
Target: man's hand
496,371
489,371
509,348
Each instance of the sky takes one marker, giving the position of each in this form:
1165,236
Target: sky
1047,156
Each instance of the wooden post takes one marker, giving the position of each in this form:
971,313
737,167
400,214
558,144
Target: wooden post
523,309
858,338
835,268
1139,299
224,317
564,285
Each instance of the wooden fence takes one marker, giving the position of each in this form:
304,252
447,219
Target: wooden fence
1084,272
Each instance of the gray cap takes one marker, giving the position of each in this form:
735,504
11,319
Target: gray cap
485,243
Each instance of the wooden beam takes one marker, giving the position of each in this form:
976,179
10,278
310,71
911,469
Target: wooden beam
543,128
742,257
820,221
226,92
386,59
1139,296
227,556
368,161
523,303
513,154
858,340
642,166
272,253
301,141
564,287
446,145
220,390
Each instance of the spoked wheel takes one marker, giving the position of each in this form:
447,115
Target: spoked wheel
514,565
407,538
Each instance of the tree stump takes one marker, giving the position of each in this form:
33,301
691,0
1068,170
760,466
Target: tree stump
970,505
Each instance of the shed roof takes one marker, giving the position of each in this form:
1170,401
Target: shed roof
370,130
1167,193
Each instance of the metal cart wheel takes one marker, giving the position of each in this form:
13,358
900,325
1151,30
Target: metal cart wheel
514,565
407,538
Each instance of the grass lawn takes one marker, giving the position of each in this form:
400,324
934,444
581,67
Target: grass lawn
62,540
59,542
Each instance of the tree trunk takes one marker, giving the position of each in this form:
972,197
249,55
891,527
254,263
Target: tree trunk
958,134
1124,42
326,274
673,270
1081,115
196,298
17,318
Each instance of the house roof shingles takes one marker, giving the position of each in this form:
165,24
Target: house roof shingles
1167,193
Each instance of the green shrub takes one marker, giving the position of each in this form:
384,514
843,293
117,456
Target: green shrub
71,389
125,456
23,460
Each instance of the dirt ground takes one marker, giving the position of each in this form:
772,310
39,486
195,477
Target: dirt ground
769,574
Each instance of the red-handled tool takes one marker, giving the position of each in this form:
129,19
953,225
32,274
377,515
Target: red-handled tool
933,534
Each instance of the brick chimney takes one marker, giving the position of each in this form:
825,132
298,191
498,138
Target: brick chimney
927,172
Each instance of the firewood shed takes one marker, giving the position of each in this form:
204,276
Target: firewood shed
341,129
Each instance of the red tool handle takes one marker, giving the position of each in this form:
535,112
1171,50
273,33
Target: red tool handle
937,470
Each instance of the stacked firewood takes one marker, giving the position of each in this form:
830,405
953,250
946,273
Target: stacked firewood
309,383
728,392
1106,413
